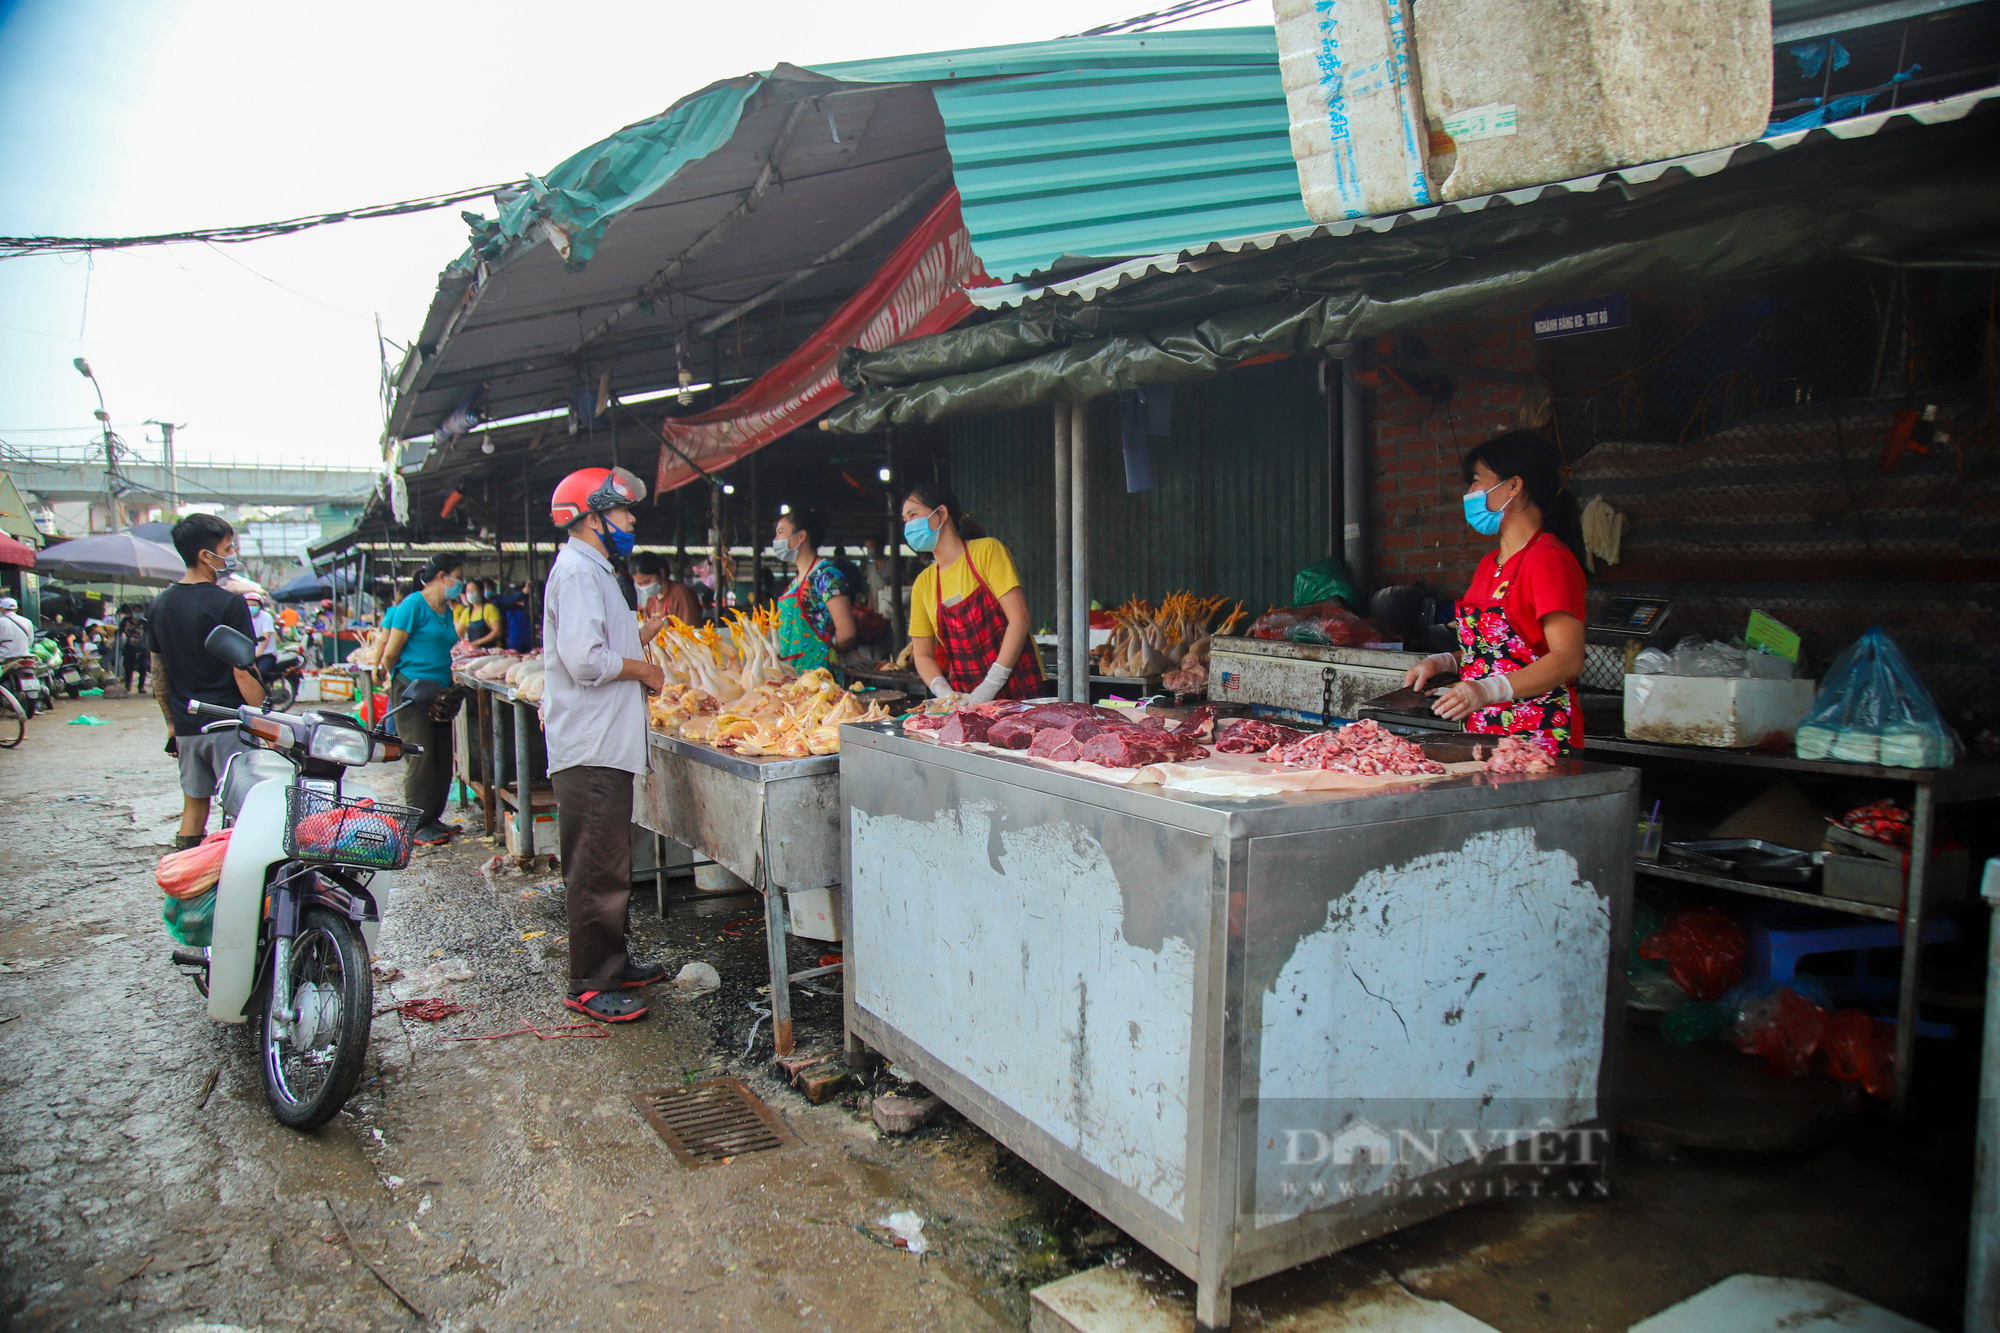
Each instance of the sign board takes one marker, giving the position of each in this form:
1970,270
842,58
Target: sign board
1592,316
1767,635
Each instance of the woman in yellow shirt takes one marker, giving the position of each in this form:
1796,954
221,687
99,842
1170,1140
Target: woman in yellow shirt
969,628
476,619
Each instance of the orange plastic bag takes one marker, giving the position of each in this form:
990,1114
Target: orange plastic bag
1860,1050
195,871
1784,1027
1703,948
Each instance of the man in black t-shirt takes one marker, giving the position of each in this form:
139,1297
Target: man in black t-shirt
181,618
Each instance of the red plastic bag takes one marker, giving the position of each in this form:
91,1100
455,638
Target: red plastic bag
1860,1050
191,873
1703,948
1273,623
1783,1027
1331,623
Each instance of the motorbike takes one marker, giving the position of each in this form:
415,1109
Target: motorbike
22,678
298,908
280,674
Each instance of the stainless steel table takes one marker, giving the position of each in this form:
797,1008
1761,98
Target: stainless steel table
503,725
1249,1031
773,822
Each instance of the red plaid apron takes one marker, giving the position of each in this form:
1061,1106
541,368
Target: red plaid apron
969,637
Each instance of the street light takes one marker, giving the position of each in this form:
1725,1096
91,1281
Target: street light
104,419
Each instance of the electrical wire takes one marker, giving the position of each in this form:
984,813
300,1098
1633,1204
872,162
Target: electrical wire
16,247
1159,18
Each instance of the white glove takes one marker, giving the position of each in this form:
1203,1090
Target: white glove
989,689
1437,664
1468,696
941,690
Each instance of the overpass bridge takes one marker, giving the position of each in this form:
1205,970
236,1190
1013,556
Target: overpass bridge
72,473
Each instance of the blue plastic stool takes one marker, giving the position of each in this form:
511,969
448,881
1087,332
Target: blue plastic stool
1779,937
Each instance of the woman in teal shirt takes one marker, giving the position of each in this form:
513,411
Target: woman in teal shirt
421,636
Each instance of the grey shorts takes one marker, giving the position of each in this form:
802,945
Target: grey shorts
202,758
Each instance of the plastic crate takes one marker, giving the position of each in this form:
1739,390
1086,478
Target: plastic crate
335,829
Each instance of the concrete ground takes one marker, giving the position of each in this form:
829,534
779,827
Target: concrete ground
512,1184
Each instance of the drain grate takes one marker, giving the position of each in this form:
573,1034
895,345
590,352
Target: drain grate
710,1122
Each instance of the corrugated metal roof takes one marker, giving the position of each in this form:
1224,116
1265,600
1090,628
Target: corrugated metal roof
1633,180
1109,146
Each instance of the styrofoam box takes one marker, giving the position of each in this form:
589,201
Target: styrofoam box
546,841
815,913
1349,69
308,692
1726,712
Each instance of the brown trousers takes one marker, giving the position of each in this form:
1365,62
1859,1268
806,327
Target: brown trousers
594,823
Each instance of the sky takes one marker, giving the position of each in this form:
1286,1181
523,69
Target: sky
127,117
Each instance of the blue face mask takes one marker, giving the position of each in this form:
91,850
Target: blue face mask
618,541
1484,521
919,533
453,593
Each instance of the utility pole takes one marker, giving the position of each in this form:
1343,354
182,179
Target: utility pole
167,429
110,445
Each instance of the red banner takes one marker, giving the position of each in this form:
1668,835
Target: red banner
920,289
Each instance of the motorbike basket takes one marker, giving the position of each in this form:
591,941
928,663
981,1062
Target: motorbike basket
373,834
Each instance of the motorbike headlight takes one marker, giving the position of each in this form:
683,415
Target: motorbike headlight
339,745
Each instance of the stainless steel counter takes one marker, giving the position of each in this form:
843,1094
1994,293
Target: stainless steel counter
1249,1031
773,822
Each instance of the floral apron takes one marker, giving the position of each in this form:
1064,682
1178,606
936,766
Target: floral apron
968,641
1493,644
800,642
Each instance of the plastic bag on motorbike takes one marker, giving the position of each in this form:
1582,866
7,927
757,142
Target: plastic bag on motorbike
191,921
1872,708
190,873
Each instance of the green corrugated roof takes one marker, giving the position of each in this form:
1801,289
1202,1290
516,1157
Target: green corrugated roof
1109,146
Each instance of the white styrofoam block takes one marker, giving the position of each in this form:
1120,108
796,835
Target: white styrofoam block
814,913
1727,712
1748,1303
1531,91
1350,73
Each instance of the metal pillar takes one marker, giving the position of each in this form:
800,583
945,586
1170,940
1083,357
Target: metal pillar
756,539
718,543
1079,550
1353,480
1982,1277
898,630
1065,633
1923,828
524,781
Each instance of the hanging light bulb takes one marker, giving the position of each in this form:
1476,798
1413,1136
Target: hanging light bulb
686,380
883,474
486,445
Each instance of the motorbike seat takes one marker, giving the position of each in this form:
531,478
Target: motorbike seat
244,770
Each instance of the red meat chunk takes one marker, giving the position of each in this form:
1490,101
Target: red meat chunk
1129,746
1013,733
965,727
1057,743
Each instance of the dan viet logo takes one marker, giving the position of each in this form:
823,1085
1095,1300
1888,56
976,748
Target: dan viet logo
1366,1159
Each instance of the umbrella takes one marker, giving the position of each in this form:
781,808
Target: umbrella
163,533
15,553
237,583
313,587
117,555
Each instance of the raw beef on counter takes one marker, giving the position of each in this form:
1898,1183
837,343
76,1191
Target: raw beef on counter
1130,745
1362,748
1516,754
1017,731
1252,736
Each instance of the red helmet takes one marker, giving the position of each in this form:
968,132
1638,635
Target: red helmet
593,490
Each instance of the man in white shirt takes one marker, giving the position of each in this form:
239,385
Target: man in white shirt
594,699
17,636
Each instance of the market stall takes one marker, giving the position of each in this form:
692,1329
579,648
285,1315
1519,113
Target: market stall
1250,1030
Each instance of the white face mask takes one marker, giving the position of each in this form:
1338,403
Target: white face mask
645,590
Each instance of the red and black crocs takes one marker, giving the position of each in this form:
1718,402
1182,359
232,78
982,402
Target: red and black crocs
607,1006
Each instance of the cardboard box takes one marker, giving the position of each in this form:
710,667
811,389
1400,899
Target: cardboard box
1725,712
1870,879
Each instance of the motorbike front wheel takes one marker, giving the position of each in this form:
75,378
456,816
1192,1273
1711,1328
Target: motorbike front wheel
279,694
13,719
312,1063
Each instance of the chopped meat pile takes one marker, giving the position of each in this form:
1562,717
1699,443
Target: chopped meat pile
1362,748
1250,736
1516,754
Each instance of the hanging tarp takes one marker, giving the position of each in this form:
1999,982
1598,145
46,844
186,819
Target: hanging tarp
1929,192
919,290
572,205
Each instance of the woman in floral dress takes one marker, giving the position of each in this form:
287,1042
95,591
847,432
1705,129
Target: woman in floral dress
1520,623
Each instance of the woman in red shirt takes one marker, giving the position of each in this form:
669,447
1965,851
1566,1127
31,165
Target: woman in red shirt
1520,624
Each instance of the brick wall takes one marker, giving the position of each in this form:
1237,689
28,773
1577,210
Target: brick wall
1417,523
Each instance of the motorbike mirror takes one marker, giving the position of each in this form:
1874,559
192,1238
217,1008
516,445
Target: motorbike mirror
423,692
232,646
